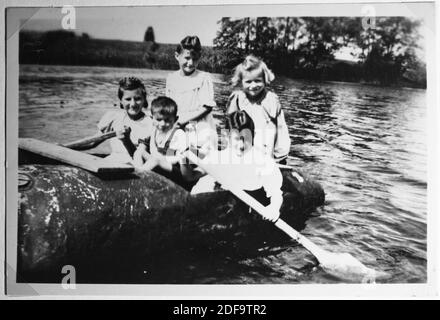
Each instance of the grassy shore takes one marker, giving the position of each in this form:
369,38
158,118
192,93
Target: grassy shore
67,48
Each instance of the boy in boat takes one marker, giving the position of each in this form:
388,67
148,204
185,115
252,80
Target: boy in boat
245,166
166,144
193,91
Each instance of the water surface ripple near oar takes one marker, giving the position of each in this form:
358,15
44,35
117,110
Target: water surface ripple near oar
341,265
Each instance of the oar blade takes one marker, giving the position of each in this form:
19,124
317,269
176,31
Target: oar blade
345,266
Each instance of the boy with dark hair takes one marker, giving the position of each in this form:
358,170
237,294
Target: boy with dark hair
166,145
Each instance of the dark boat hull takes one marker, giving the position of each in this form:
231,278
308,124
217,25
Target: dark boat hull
68,216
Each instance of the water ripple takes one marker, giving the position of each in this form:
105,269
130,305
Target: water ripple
366,145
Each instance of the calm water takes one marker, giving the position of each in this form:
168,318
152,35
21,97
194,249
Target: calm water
366,145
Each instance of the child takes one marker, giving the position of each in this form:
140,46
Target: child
245,166
131,123
166,144
193,92
263,106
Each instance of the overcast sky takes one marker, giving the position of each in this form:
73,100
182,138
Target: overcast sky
170,24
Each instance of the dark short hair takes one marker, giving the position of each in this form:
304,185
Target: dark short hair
131,83
191,43
240,120
164,106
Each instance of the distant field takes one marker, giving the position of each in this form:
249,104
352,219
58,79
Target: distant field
65,48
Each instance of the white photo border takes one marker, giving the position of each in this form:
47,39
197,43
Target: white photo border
9,157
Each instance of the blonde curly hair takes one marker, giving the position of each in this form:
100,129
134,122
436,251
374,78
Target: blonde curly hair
251,63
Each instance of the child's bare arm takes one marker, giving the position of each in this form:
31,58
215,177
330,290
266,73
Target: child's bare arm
283,142
272,182
162,162
139,155
124,136
157,160
150,164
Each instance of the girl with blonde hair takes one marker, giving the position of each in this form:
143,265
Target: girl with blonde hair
263,106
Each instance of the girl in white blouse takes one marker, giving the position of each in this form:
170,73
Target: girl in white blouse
263,106
130,122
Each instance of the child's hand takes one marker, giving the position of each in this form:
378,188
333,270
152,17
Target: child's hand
160,158
271,213
155,152
150,164
123,133
138,159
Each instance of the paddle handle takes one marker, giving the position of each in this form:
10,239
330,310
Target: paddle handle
298,237
280,224
90,141
284,166
72,157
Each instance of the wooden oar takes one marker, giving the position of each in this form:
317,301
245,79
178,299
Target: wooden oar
73,157
90,141
285,166
341,265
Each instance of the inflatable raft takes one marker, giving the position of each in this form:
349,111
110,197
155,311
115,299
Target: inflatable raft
71,216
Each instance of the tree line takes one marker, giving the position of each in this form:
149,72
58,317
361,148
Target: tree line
297,47
305,47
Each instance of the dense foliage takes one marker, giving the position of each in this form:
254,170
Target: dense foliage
305,47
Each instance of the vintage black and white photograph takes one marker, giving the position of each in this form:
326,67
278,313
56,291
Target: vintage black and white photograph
221,144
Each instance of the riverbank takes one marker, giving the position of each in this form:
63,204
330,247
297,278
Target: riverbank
68,48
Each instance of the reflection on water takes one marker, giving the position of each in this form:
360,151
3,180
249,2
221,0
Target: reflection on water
366,145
